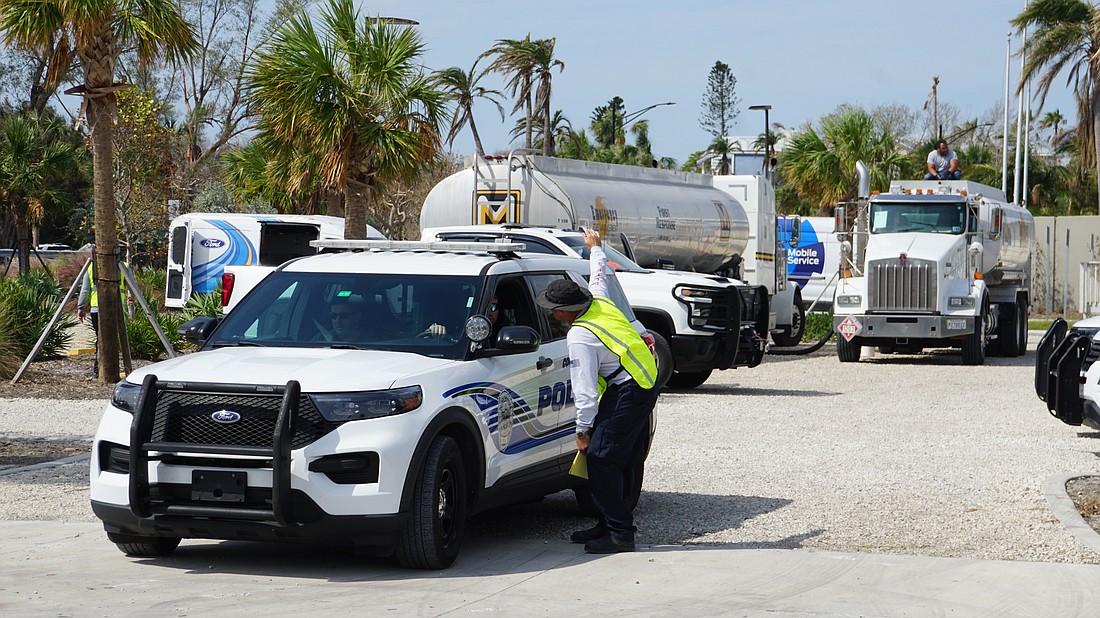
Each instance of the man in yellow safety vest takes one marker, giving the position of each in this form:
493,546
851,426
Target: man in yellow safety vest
613,375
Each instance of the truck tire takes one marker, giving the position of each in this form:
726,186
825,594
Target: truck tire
433,534
973,347
664,359
1008,331
848,351
792,335
685,380
147,546
1021,326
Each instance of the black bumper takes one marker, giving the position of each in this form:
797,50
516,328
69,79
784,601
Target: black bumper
375,531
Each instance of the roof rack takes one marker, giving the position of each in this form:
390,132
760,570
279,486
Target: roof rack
417,245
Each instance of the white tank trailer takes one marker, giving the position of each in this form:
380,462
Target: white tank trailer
934,264
722,225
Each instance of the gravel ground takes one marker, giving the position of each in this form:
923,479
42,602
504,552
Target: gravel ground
896,454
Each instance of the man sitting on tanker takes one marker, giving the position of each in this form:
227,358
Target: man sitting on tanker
943,163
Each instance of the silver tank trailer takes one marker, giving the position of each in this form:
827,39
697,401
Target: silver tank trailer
666,214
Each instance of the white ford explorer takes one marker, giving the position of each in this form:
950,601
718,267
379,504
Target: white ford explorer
286,426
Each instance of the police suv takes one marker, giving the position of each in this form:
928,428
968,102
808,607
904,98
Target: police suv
288,426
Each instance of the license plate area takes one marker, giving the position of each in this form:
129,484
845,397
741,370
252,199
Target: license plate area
956,324
218,486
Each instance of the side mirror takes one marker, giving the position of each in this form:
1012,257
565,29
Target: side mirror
518,339
665,264
796,232
198,330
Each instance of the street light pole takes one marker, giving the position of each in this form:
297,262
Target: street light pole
767,141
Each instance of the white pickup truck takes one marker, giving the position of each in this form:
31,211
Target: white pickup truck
701,322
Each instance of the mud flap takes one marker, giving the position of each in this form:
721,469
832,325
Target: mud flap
1054,336
1064,385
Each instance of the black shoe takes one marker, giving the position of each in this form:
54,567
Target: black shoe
588,534
608,545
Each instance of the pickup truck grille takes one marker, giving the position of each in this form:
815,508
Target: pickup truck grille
894,286
184,417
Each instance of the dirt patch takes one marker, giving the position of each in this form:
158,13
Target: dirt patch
20,452
1085,493
67,378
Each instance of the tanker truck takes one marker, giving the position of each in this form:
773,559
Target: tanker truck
933,264
663,219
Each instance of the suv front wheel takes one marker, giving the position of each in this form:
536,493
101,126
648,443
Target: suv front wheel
433,534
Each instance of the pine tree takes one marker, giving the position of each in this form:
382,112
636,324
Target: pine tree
719,101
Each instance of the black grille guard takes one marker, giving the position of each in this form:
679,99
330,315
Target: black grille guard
141,444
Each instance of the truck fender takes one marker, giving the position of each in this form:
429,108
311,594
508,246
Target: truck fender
460,425
783,304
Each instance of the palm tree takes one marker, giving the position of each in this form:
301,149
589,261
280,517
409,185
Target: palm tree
515,60
543,56
350,103
1053,120
463,88
722,147
34,157
98,31
1065,34
820,163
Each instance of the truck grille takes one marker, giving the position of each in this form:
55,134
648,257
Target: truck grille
725,312
183,417
892,286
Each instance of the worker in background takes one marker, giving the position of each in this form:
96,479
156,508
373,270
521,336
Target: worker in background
943,163
87,304
613,375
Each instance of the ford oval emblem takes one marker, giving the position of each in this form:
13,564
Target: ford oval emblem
212,243
225,417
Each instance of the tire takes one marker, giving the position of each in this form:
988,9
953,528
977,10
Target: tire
973,347
685,380
433,534
848,351
1008,331
664,359
1021,326
792,335
148,547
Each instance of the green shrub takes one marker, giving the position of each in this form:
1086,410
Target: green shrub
153,282
26,305
209,305
817,324
144,342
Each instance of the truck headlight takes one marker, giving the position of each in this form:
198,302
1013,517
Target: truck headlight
342,407
699,301
960,301
850,299
127,396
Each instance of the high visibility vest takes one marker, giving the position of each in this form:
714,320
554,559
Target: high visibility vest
93,293
604,320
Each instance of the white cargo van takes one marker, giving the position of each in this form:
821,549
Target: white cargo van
201,245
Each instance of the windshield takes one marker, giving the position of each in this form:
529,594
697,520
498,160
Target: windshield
615,258
424,314
942,218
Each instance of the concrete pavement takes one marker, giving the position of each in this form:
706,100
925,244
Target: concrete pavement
51,568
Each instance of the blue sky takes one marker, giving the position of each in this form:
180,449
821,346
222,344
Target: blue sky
802,57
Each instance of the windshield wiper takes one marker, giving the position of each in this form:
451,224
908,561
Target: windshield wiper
243,344
345,346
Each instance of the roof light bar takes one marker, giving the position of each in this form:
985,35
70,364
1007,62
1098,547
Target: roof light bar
417,245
